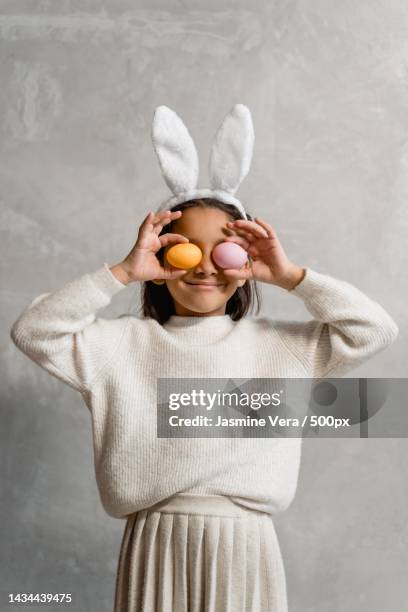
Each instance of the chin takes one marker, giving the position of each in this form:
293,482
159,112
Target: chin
200,308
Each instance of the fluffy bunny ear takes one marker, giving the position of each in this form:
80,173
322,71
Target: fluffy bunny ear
175,149
232,149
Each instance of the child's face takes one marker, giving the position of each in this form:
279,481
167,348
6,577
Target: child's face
206,228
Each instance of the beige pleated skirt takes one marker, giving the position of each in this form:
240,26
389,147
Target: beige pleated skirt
195,553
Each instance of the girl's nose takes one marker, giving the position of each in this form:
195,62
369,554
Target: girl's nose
206,264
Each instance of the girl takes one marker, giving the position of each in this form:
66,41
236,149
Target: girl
199,533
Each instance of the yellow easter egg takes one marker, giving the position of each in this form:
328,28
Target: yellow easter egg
184,255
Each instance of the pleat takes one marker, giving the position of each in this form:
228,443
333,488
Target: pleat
268,594
137,563
224,565
252,578
273,575
166,563
196,563
151,568
180,531
122,574
239,566
211,539
189,562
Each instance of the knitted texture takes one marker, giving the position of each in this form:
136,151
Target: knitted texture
115,363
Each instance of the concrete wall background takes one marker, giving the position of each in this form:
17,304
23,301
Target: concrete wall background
327,85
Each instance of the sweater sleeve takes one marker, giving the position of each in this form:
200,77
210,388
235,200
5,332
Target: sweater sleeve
348,327
62,334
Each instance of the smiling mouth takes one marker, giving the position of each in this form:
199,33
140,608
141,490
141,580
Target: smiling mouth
206,285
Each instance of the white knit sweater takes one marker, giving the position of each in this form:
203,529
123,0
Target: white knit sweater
114,364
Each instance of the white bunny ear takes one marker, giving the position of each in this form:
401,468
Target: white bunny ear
175,149
231,151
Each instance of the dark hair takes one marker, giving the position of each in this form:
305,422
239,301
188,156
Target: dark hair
157,301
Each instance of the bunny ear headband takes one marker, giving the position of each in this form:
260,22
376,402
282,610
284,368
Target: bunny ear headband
230,157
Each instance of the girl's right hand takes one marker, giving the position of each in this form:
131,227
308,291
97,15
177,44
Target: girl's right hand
141,264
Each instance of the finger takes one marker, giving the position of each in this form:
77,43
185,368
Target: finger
164,214
242,232
164,218
153,218
157,227
171,273
148,224
148,220
251,227
250,247
149,216
244,242
170,238
268,228
244,273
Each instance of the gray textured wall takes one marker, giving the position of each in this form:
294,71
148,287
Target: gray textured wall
327,84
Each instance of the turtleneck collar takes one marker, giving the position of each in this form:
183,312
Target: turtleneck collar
200,330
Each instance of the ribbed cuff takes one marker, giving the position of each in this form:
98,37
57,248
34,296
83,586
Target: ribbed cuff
311,283
106,281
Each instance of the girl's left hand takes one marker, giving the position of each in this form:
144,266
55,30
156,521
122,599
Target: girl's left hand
269,261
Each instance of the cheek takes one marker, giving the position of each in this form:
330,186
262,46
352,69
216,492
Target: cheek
229,289
232,283
174,287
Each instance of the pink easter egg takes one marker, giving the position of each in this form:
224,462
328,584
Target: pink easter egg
229,255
